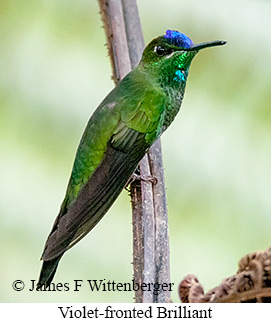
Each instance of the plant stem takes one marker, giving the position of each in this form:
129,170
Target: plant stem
150,223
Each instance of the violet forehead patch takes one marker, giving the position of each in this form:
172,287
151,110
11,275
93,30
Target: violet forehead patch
178,39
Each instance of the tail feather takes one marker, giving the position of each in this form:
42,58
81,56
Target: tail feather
48,271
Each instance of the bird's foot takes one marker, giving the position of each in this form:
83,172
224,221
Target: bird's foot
144,178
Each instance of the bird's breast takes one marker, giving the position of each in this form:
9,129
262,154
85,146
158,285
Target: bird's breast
174,102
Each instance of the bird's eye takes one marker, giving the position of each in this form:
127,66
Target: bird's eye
160,50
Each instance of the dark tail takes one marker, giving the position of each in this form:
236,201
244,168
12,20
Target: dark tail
48,271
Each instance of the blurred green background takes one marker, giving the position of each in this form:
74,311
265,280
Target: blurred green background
54,71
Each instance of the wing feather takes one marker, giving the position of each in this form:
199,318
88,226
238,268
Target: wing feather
96,197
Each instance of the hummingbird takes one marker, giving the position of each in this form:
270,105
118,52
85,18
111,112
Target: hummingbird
119,133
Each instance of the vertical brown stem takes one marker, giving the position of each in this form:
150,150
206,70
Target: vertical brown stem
112,17
150,229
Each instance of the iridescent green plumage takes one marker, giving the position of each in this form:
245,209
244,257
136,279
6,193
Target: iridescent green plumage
117,136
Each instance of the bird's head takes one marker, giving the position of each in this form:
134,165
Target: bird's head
173,51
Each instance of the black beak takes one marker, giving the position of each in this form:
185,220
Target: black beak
198,47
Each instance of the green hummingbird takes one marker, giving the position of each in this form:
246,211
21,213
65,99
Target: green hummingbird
119,133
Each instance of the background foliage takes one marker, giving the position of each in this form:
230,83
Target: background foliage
54,71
